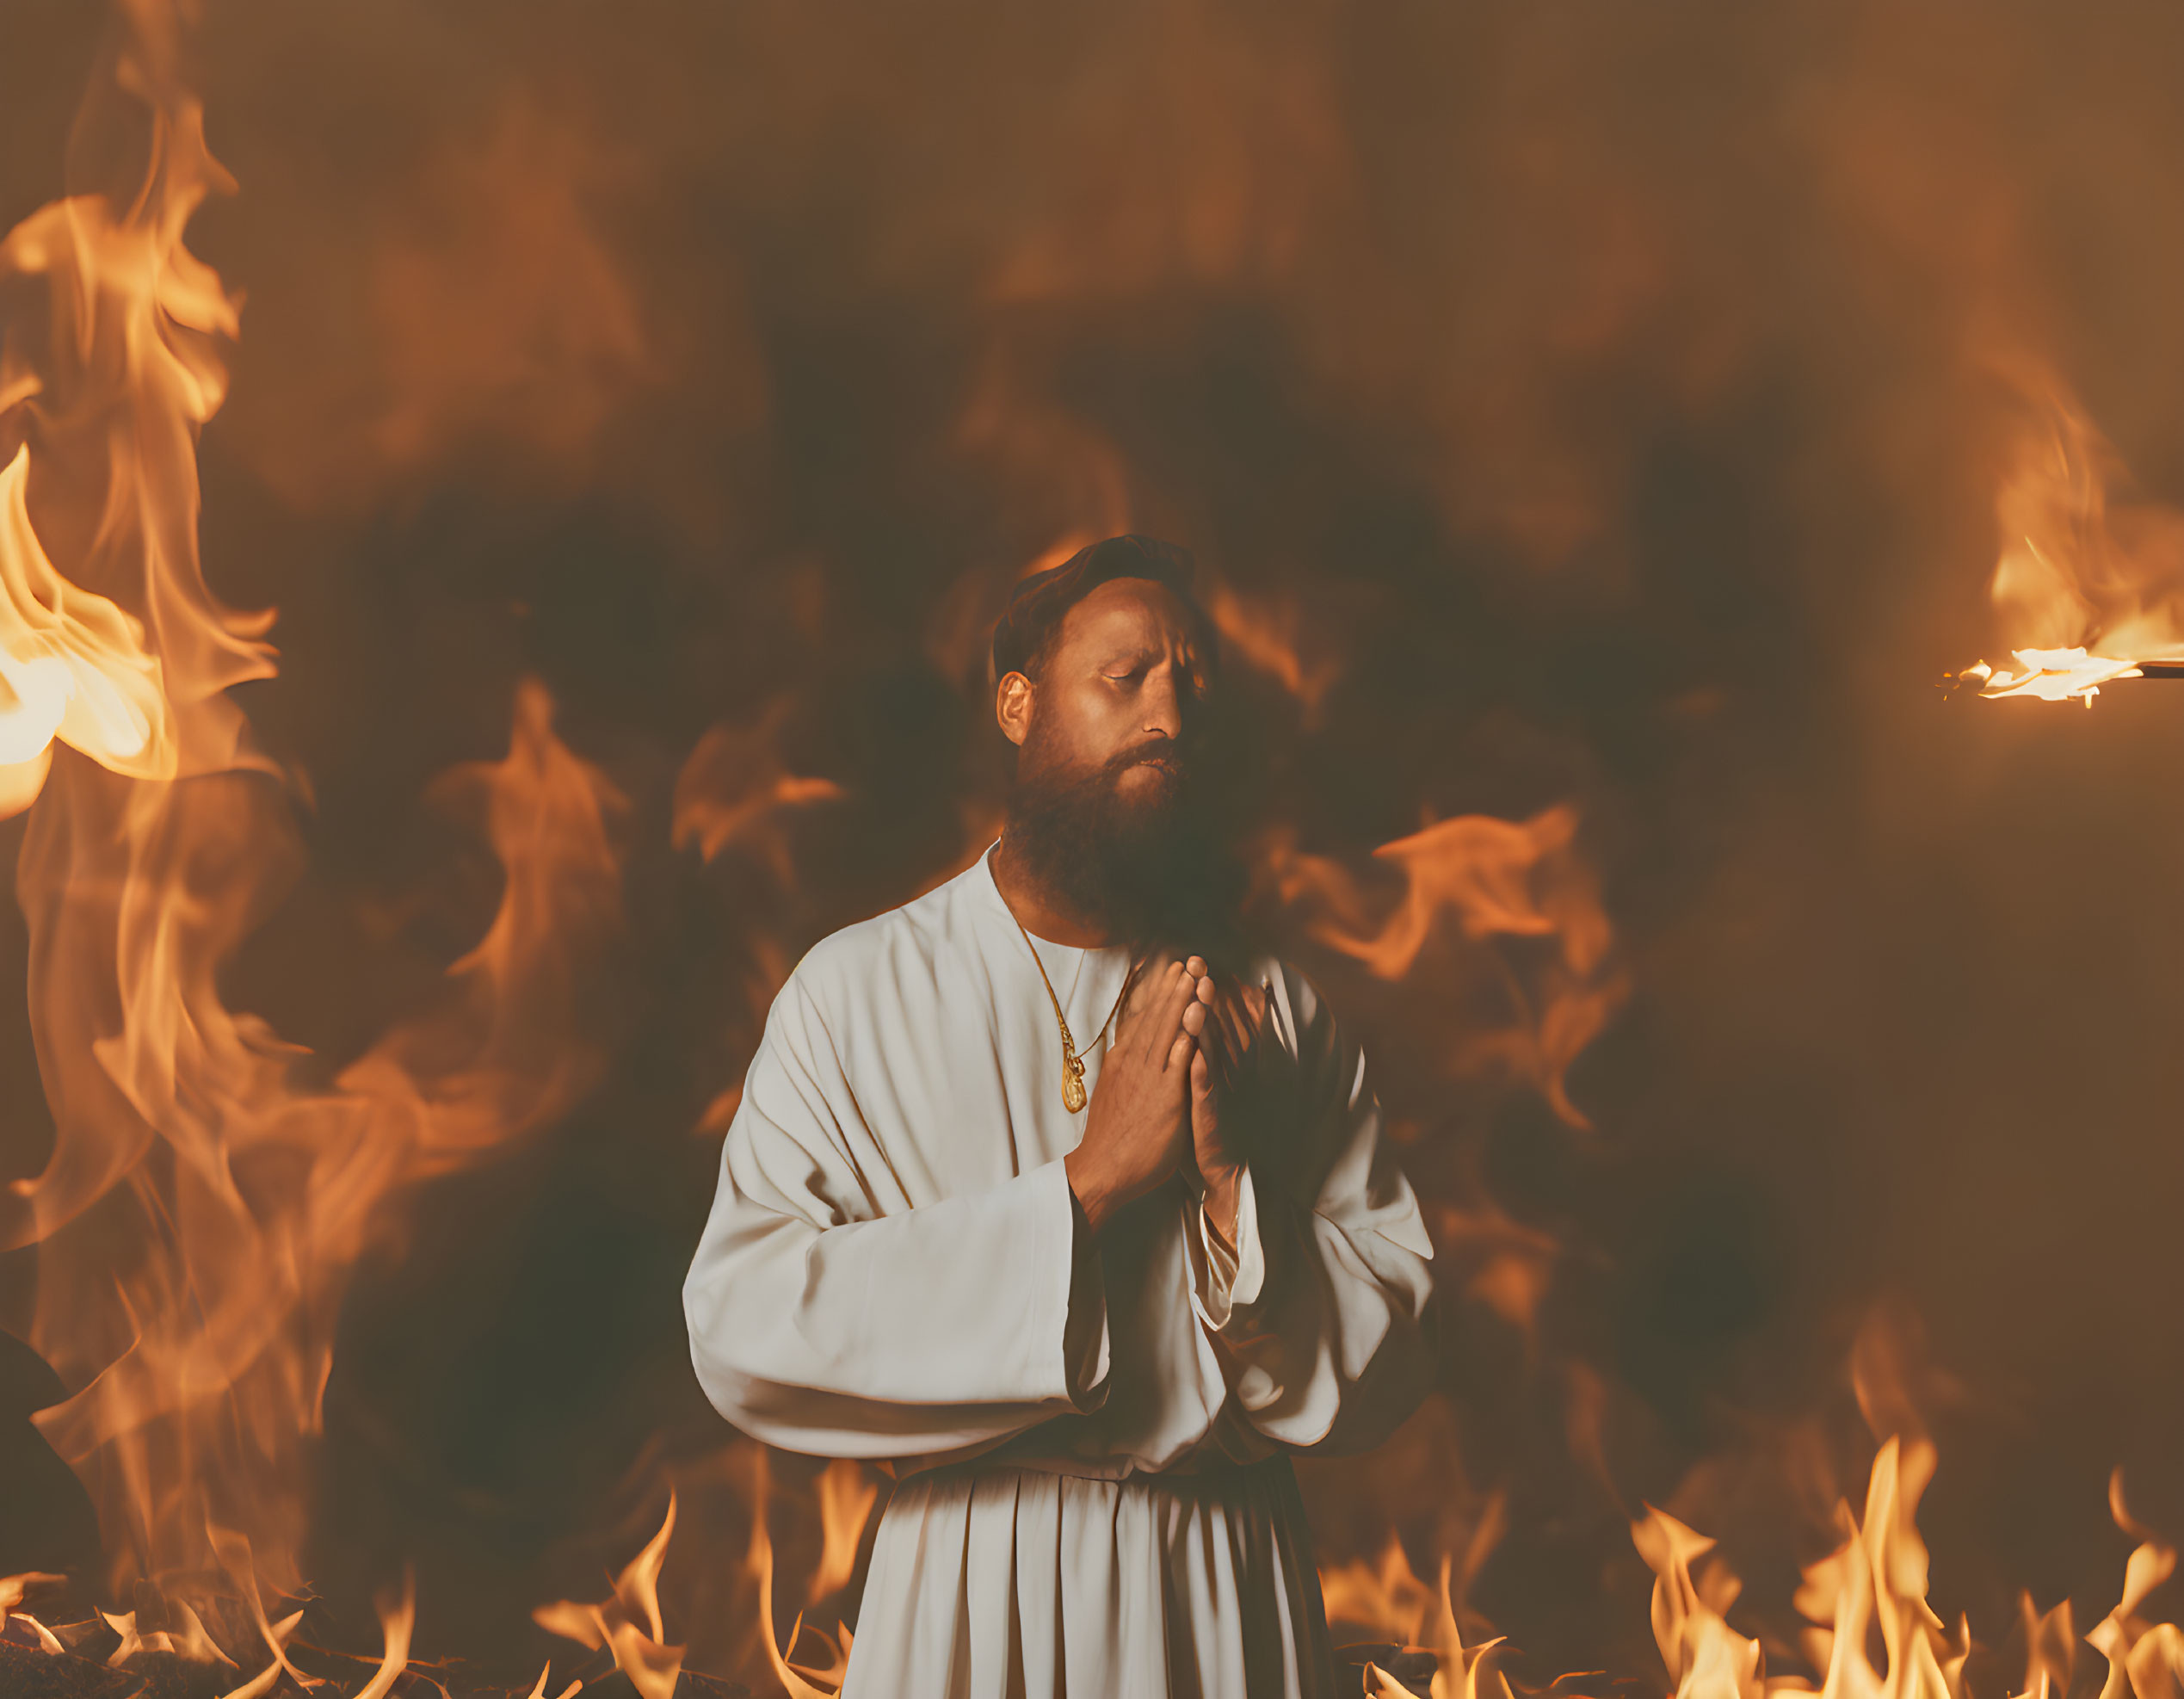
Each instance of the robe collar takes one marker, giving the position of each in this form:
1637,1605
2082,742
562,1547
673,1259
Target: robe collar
1070,966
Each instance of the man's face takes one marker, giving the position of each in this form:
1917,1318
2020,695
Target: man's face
1119,695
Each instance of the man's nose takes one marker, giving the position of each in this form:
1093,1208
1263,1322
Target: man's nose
1163,706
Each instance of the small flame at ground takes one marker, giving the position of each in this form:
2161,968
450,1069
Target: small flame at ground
628,1621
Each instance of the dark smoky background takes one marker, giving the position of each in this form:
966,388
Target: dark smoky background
1603,404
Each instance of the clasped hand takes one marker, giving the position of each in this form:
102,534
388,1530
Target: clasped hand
1181,1050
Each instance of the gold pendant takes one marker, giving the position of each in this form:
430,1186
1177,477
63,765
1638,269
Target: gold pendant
1073,1099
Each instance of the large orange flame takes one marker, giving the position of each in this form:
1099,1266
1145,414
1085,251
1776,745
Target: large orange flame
250,1200
200,1213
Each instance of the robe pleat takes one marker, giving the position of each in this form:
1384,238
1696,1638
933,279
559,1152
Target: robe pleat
1020,1582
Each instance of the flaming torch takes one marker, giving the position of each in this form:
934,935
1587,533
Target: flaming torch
2059,675
2096,588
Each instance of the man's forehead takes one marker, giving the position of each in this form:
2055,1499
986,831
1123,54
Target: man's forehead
1124,610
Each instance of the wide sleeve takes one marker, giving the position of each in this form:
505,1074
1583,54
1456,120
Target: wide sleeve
821,1326
1319,1309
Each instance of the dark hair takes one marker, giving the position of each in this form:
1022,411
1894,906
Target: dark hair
1027,631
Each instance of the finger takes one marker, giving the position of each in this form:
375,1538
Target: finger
1194,1019
1197,968
1169,1017
1180,1053
1145,984
1206,990
1151,992
1203,1108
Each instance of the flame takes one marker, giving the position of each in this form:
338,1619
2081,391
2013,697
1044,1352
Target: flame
1460,1671
276,1636
1870,1595
208,1374
1268,632
397,1618
2147,1658
258,1686
729,1592
847,1494
1489,879
74,665
627,1622
798,1681
192,1643
2050,674
734,790
14,1589
1397,1607
539,1688
1870,1590
1705,1657
1388,1599
2090,586
241,1201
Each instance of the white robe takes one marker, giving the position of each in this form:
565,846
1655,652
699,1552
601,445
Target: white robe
1091,1436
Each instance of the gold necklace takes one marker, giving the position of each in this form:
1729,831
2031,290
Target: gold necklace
1073,1095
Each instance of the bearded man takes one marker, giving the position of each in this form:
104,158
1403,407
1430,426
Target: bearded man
1038,1199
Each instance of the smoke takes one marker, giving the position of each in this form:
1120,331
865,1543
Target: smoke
1593,406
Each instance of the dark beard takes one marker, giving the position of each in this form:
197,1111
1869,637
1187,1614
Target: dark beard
1155,873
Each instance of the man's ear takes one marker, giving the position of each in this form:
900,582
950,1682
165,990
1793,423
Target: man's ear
1012,706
